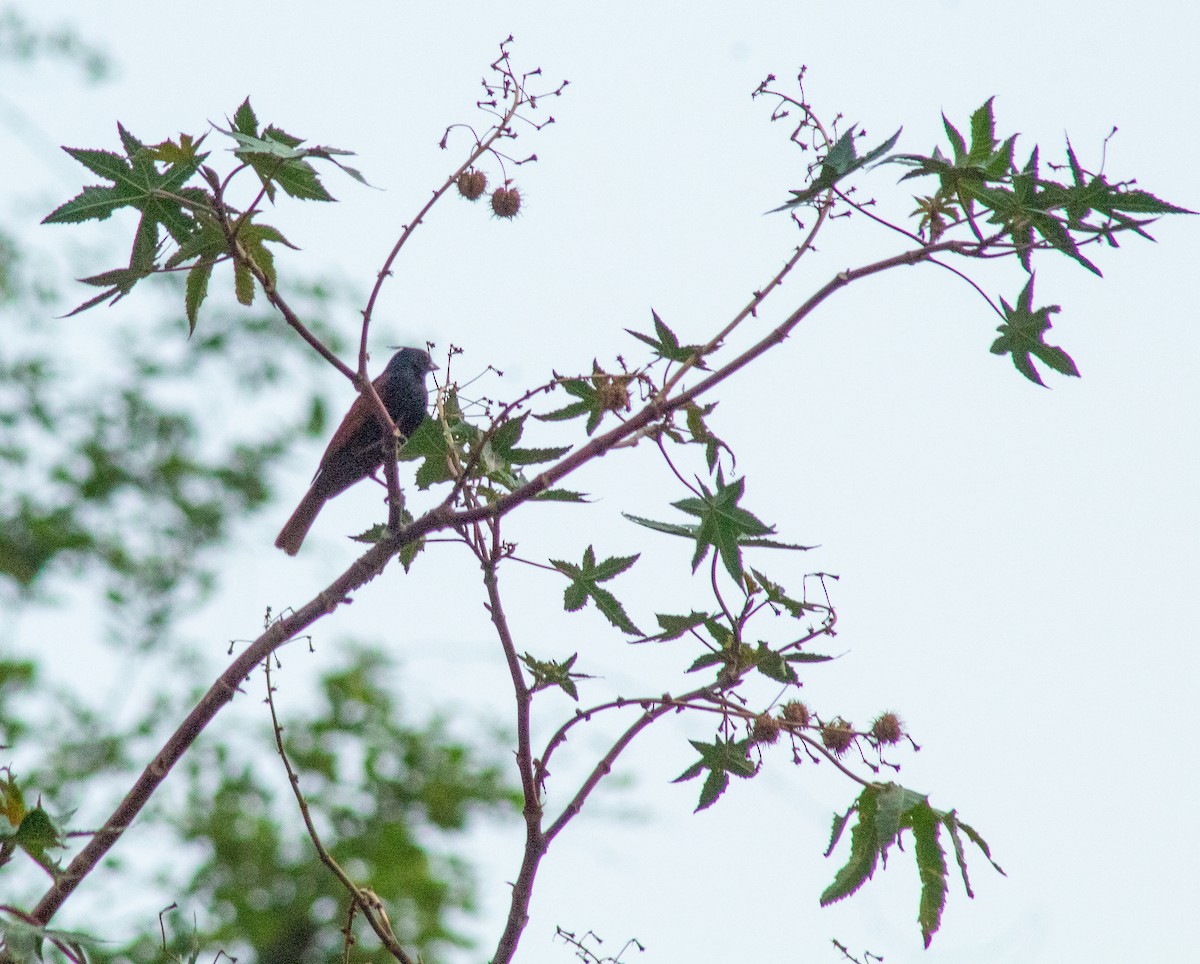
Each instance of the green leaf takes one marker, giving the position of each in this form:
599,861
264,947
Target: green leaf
428,442
720,758
773,666
957,144
670,528
591,403
243,284
841,161
561,495
196,291
137,183
666,343
723,524
1023,335
809,658
38,833
840,820
244,121
702,435
864,850
983,133
931,864
675,626
547,673
715,784
778,597
978,841
585,579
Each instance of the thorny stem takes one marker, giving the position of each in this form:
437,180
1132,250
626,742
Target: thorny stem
369,565
535,840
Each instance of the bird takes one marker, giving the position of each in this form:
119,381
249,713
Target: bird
357,447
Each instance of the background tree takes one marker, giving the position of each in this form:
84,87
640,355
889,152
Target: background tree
118,491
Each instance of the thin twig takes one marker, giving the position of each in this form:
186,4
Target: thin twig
358,896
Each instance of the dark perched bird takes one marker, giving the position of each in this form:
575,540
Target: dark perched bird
357,447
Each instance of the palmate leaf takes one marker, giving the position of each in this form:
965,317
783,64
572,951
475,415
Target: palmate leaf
1036,212
724,525
502,446
428,443
590,404
666,343
720,758
1023,335
585,584
547,673
159,195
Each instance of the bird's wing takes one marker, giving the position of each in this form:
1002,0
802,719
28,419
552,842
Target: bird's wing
359,412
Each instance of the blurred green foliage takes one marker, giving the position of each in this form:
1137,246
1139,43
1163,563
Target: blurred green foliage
129,456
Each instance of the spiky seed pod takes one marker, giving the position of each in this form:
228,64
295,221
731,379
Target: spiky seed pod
472,184
614,394
765,729
837,735
796,712
506,202
888,728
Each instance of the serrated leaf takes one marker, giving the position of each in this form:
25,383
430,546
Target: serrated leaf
723,524
772,665
715,784
670,528
864,853
39,833
956,141
931,864
983,133
840,820
547,673
675,626
561,495
585,584
244,121
243,284
720,758
980,843
196,291
1023,335
707,659
809,658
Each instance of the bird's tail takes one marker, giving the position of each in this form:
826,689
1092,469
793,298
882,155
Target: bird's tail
291,536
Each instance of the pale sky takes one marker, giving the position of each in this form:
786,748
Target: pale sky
1016,564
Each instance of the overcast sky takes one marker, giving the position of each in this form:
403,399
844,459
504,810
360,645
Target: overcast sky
1018,566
